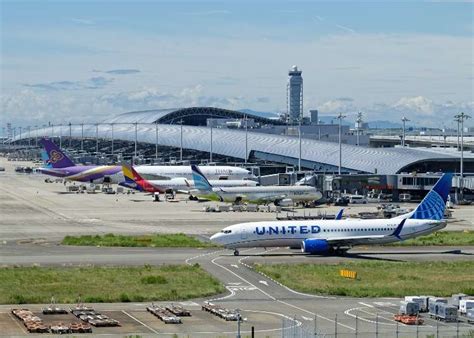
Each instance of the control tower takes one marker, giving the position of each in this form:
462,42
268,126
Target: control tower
294,96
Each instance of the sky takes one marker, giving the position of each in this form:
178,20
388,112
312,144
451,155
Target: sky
66,61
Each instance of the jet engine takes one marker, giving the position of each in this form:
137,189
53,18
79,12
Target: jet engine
314,246
285,202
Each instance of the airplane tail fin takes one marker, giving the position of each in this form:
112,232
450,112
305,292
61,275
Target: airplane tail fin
200,181
132,178
56,157
434,203
339,214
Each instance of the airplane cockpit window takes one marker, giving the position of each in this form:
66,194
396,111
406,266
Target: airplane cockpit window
226,231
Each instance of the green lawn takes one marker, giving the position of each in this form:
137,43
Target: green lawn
376,279
156,240
448,238
105,284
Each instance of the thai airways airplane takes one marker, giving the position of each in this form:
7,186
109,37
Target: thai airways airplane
59,165
179,184
338,236
280,195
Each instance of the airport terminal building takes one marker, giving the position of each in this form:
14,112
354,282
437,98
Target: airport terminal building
245,138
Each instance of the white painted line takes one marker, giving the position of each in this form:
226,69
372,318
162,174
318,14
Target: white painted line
135,319
365,304
264,282
234,266
277,300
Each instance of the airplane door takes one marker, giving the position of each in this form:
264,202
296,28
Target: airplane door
243,234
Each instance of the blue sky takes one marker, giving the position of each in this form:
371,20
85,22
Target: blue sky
84,61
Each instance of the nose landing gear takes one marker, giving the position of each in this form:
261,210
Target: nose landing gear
236,252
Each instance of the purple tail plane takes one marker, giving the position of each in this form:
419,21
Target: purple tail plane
60,165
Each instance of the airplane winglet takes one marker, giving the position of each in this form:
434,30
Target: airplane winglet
339,214
399,228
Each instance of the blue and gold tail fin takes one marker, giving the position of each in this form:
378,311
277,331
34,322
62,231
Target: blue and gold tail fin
434,203
200,181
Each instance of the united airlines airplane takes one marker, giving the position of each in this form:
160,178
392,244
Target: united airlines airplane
338,236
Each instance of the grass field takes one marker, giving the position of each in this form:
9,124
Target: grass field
156,240
376,279
105,284
448,238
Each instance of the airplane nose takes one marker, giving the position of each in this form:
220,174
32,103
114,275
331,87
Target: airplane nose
215,237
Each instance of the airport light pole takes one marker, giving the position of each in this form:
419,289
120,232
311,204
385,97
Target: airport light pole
299,144
82,136
96,139
340,117
210,150
181,140
458,120
156,140
52,132
29,136
60,136
404,120
246,138
319,130
19,142
461,117
70,134
358,121
136,141
112,136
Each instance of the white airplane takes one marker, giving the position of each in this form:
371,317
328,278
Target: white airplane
181,171
337,236
280,195
178,184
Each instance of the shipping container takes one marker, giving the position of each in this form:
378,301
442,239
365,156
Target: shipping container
456,298
466,304
448,313
409,308
421,301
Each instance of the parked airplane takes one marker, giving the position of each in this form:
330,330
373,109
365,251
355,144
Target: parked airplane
337,236
60,165
179,184
280,195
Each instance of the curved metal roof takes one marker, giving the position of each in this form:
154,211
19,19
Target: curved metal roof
232,143
189,116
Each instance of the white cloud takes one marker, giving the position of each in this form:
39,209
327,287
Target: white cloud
419,104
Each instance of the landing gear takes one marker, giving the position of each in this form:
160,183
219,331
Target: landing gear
337,251
236,252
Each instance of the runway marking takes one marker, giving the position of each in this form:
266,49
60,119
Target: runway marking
348,312
235,266
237,283
295,321
365,304
264,282
148,327
201,255
280,284
213,261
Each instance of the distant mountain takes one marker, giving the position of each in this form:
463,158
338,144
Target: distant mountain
267,115
382,124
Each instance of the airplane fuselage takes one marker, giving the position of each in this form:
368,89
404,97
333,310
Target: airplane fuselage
266,193
293,233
